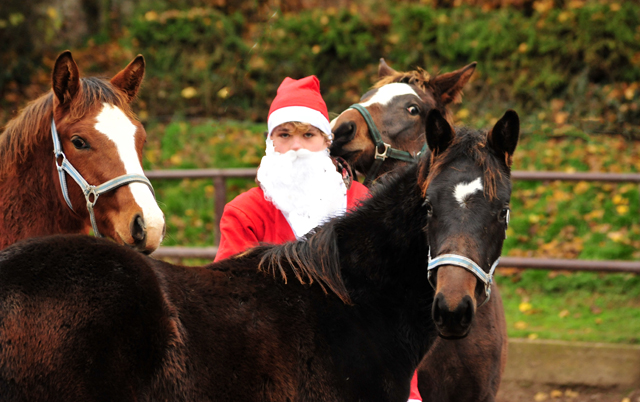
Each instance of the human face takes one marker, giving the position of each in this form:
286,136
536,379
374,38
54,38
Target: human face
287,137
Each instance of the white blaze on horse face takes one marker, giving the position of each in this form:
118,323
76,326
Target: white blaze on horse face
115,124
385,94
462,191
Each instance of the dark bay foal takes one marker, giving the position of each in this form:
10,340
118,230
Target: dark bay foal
468,369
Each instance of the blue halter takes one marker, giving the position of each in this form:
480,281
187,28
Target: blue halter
91,193
468,264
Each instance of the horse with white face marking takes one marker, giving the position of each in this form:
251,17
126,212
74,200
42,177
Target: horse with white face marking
71,161
386,128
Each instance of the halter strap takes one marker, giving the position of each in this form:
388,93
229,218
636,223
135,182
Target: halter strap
466,263
382,149
91,193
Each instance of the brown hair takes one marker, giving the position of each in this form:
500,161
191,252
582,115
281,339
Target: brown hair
301,127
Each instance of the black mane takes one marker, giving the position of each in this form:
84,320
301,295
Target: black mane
384,217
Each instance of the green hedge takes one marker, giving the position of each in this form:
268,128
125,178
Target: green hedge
524,61
584,56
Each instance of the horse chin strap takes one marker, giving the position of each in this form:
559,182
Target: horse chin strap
466,263
91,193
382,149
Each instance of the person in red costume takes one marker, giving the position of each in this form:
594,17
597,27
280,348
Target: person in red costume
300,185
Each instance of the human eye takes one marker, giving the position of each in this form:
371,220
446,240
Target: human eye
309,134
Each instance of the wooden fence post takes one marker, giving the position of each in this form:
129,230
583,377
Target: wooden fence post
220,189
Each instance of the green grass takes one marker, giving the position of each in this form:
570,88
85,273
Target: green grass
549,219
580,306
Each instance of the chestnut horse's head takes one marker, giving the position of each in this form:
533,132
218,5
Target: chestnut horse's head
398,106
467,187
101,138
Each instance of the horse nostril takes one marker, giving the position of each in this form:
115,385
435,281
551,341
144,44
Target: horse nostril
438,318
467,313
345,132
138,229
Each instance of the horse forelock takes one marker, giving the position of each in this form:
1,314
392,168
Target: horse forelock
32,126
418,77
316,259
94,92
472,145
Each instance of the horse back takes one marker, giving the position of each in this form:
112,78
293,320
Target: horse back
80,319
85,319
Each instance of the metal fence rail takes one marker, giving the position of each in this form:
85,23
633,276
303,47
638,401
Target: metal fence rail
219,177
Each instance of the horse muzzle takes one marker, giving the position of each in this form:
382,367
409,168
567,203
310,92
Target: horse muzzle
453,322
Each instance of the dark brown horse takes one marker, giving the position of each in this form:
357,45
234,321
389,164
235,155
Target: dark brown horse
83,319
71,161
468,369
398,106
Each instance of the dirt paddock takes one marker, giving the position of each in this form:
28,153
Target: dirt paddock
522,391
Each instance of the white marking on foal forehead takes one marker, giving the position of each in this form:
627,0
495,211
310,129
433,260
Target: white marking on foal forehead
115,124
462,191
386,93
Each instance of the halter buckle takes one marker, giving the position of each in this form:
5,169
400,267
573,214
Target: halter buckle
384,155
57,155
91,191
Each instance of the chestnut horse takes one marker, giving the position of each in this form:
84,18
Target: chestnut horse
83,319
398,105
82,129
467,369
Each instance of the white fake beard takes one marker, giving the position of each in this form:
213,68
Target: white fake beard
304,186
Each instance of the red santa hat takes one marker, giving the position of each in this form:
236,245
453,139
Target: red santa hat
299,100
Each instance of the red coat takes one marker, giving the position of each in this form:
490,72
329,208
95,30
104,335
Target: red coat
250,219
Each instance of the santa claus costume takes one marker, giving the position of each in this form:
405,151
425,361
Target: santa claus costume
298,189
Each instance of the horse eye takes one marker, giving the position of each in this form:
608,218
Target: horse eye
79,143
429,207
504,215
413,110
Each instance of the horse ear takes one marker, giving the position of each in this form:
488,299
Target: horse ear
384,69
65,78
129,79
503,137
439,132
450,85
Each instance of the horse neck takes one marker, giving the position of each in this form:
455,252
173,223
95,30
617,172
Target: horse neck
30,200
386,237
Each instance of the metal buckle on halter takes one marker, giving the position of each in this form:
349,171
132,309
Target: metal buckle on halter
59,155
91,191
383,155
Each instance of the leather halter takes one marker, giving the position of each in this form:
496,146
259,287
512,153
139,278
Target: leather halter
91,193
382,149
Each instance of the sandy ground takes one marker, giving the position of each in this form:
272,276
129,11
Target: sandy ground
513,391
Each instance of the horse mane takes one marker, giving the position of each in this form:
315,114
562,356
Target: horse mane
472,144
32,126
316,258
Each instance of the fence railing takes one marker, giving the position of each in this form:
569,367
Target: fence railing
220,176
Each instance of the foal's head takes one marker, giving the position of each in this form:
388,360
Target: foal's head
398,104
467,188
102,139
